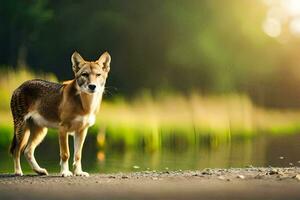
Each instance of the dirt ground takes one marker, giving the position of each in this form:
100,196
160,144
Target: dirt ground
246,183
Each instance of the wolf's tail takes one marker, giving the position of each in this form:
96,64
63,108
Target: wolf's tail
18,109
13,145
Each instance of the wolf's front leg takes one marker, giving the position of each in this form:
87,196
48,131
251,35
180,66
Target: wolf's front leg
79,138
64,153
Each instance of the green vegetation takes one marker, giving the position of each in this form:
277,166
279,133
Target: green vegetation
166,45
11,79
151,120
199,77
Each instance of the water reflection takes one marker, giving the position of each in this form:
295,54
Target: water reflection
103,153
177,151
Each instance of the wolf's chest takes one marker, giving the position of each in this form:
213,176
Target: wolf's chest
85,120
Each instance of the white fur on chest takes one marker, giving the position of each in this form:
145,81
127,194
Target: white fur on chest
89,120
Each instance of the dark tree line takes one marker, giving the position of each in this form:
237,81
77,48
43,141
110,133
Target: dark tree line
208,46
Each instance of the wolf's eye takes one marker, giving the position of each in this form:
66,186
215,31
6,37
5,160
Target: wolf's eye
98,75
85,74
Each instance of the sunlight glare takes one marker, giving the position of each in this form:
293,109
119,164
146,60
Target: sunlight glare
272,27
295,26
282,18
292,7
276,12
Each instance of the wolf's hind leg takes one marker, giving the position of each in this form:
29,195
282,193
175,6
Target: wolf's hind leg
20,139
37,134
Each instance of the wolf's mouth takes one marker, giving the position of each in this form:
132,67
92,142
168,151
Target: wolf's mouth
92,91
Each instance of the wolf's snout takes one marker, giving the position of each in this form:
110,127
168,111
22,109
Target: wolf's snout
92,87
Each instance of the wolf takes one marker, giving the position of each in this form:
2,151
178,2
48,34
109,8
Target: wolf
70,107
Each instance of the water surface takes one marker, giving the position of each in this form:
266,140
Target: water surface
174,153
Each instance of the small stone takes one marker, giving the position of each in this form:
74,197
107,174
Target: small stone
280,173
259,176
154,178
281,157
275,172
221,177
136,167
272,172
111,176
241,176
125,177
282,177
291,164
206,173
298,161
297,177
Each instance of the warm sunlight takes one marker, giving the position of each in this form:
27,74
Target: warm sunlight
282,14
292,7
140,99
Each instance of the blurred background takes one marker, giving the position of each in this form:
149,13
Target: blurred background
193,84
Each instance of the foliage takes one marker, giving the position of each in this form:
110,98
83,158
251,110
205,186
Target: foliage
152,120
11,79
169,45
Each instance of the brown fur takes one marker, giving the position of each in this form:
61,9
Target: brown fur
70,107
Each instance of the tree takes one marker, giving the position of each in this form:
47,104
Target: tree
22,22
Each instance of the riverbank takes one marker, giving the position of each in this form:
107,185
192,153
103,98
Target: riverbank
244,183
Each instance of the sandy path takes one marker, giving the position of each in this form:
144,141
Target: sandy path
249,183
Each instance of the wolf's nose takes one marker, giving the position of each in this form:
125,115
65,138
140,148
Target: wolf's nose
92,86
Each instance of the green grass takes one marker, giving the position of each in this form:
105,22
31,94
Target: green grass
11,79
148,120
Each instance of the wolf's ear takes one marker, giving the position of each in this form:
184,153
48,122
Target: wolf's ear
77,60
104,61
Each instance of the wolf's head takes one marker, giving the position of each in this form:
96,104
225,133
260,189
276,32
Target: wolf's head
91,76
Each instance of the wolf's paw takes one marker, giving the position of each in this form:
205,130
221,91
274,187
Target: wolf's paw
81,173
41,171
66,173
18,173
